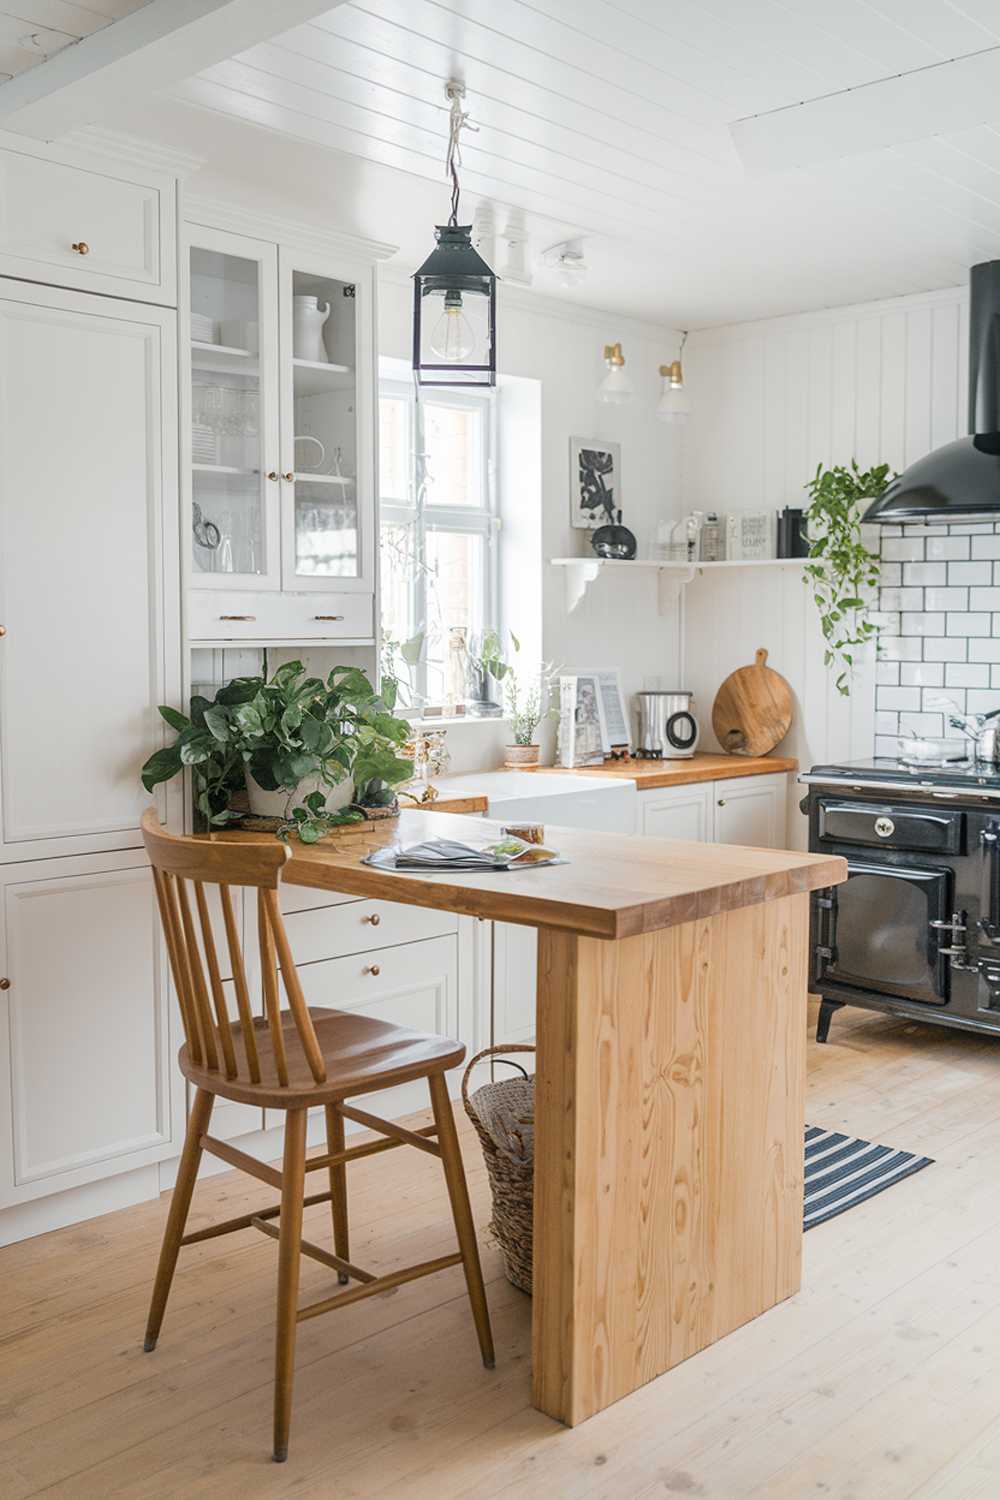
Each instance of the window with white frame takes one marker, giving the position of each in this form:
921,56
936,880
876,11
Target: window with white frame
438,537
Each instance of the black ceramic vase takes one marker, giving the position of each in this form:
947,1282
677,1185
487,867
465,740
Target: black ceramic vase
615,542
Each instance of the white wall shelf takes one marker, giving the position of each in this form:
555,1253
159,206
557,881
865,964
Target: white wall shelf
580,573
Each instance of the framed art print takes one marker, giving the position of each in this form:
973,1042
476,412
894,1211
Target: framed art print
595,468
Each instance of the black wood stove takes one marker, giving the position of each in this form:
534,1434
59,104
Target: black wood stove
915,929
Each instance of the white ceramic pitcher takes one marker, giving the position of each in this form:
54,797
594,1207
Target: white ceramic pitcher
309,315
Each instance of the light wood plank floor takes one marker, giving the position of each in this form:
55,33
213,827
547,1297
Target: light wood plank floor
881,1380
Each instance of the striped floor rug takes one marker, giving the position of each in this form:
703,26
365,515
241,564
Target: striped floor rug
842,1170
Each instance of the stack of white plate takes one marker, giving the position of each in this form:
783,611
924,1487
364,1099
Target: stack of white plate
204,330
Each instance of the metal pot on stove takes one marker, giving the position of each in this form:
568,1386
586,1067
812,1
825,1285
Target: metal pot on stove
668,729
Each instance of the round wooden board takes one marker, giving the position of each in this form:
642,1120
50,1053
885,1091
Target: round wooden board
752,709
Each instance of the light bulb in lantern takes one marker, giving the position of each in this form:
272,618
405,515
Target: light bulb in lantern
452,337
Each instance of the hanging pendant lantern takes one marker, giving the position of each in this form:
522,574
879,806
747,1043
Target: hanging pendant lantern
454,292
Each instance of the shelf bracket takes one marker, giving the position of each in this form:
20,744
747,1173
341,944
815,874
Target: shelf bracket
669,584
579,577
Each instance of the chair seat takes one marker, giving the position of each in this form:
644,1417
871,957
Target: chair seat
361,1055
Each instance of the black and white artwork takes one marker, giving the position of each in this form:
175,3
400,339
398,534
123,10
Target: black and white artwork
595,468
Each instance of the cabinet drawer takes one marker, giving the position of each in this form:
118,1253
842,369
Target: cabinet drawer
126,223
227,616
359,926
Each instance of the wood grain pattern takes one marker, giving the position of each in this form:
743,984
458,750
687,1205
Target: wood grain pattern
669,1121
752,711
613,886
650,775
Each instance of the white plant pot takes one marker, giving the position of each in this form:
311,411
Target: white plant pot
278,804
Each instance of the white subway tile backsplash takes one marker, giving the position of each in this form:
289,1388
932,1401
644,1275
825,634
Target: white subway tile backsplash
891,574
886,745
954,649
988,650
984,598
892,530
995,676
896,599
906,549
899,648
942,598
981,701
898,698
973,529
922,573
886,723
919,623
937,700
944,548
929,724
968,624
969,572
921,674
886,619
960,674
887,673
986,546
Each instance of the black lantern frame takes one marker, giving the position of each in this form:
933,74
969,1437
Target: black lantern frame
454,270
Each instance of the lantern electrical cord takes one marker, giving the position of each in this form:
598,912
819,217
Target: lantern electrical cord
458,120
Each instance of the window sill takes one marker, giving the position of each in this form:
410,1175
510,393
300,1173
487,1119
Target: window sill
448,721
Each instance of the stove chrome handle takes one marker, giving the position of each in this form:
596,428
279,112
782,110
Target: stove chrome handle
989,885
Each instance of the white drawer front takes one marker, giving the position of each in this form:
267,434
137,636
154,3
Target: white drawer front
126,225
226,616
416,986
359,926
301,898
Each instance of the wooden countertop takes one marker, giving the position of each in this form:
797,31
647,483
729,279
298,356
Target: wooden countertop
614,886
648,774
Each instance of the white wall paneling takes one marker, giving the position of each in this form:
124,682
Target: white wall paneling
771,400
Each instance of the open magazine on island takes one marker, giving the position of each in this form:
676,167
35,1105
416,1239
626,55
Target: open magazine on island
504,853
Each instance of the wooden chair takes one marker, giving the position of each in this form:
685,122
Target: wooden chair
292,1060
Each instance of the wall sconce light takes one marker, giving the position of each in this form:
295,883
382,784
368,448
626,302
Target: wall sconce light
615,388
674,404
567,260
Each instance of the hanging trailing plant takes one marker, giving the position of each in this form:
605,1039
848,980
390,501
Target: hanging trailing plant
841,570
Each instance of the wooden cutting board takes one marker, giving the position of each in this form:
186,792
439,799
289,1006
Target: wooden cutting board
752,709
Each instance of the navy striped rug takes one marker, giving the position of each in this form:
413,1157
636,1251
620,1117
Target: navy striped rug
842,1170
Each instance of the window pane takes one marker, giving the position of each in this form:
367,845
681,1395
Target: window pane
456,565
394,447
397,578
453,438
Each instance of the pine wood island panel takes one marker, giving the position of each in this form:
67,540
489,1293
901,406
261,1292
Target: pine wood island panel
669,1084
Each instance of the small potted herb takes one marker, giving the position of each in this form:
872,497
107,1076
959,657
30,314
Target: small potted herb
298,744
526,699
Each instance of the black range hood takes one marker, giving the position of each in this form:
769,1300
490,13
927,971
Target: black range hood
962,478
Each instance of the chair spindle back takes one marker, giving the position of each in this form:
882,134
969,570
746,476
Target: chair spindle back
215,1041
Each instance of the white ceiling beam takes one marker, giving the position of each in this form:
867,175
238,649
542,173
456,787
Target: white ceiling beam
151,49
944,97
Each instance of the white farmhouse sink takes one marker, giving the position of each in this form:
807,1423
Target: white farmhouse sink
604,803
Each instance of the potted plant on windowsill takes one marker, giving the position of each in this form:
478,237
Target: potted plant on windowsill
526,708
297,743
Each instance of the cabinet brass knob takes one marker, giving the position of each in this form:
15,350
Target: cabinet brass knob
289,476
328,617
272,474
374,919
247,618
4,984
81,247
722,802
371,969
3,630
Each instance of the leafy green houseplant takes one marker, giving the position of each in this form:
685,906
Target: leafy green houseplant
292,734
841,570
526,700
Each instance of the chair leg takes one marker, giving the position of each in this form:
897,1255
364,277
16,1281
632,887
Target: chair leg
338,1187
180,1203
454,1172
289,1256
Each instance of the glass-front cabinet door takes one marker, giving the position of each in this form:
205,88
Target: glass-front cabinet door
234,422
326,404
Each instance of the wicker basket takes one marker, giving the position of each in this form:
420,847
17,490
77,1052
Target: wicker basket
504,1116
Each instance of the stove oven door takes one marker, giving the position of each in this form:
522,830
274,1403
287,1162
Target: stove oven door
875,932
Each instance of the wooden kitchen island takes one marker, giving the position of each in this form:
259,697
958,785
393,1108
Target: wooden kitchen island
670,1079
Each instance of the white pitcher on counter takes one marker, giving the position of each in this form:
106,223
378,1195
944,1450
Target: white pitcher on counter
309,316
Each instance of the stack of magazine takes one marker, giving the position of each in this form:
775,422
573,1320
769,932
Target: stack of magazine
451,854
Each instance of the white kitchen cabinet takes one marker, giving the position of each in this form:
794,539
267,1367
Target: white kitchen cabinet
682,812
88,566
278,443
746,810
84,1026
104,228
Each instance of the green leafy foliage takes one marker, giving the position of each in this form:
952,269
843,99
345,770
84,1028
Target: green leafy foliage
841,570
285,731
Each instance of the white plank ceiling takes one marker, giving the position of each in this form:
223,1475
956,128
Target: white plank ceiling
32,30
612,121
